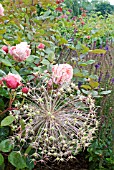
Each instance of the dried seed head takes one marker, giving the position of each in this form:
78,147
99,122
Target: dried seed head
55,124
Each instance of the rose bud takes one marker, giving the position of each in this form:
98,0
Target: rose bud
25,90
41,46
5,48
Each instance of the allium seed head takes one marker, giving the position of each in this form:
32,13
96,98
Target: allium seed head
56,124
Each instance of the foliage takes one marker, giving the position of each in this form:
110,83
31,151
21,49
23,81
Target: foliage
104,8
86,43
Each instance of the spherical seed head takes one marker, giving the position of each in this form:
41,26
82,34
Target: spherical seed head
60,126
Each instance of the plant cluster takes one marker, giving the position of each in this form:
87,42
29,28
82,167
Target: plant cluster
56,74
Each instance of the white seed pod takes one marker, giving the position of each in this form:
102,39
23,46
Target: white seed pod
69,90
58,94
45,134
55,154
57,159
49,153
25,107
65,145
61,159
47,140
72,85
61,89
35,155
45,130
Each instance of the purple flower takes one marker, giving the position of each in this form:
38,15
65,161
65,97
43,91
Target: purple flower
94,44
79,84
100,46
70,10
75,31
112,80
106,48
100,77
74,18
107,75
72,39
101,55
97,65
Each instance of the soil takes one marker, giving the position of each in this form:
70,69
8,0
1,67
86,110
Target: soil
80,163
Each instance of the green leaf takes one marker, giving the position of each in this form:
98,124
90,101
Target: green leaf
80,63
6,62
93,84
84,49
29,36
7,120
105,92
22,123
4,132
1,159
98,51
90,159
18,38
31,58
51,56
85,91
2,31
45,62
6,146
14,71
2,73
4,92
30,163
2,105
62,41
90,61
77,73
6,42
87,87
17,160
28,149
94,93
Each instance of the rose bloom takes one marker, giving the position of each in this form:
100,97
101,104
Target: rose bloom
82,22
62,73
59,9
1,10
59,1
12,80
64,16
41,46
20,52
5,48
83,14
88,37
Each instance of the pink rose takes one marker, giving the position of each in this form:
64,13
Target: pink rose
12,80
64,16
59,1
59,9
62,73
1,10
20,52
5,48
41,46
25,90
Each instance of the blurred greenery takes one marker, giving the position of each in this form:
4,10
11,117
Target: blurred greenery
86,42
